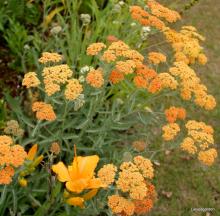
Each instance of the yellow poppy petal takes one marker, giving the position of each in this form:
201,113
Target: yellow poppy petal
90,194
32,152
86,165
76,201
73,172
77,186
61,171
95,183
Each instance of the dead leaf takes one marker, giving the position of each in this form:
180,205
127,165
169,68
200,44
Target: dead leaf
157,163
167,152
167,194
187,158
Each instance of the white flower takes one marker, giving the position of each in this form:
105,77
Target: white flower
81,79
146,29
117,8
84,69
79,102
85,18
145,32
133,24
121,3
56,30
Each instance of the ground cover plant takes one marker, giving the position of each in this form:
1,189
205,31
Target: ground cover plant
83,141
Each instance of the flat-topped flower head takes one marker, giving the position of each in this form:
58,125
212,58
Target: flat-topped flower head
13,128
174,113
107,174
156,57
94,48
73,89
116,77
145,166
50,57
160,11
120,205
208,157
30,80
95,78
43,111
189,146
11,157
199,140
6,175
55,76
170,131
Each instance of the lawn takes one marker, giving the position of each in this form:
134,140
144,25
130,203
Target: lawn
193,186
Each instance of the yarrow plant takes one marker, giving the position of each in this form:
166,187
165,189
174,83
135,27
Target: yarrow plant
84,118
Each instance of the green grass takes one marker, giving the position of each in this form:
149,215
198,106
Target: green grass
192,185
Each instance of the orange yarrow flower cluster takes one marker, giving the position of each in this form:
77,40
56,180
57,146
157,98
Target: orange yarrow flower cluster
11,156
148,78
50,57
95,48
145,18
54,76
156,57
174,113
190,84
186,44
43,111
120,205
73,89
133,180
170,131
125,61
107,174
95,78
144,206
199,140
30,80
163,12
116,77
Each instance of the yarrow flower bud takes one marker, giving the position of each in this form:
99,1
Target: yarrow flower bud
55,148
139,145
56,30
13,128
85,18
79,102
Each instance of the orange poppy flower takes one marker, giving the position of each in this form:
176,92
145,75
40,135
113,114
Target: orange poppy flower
78,177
